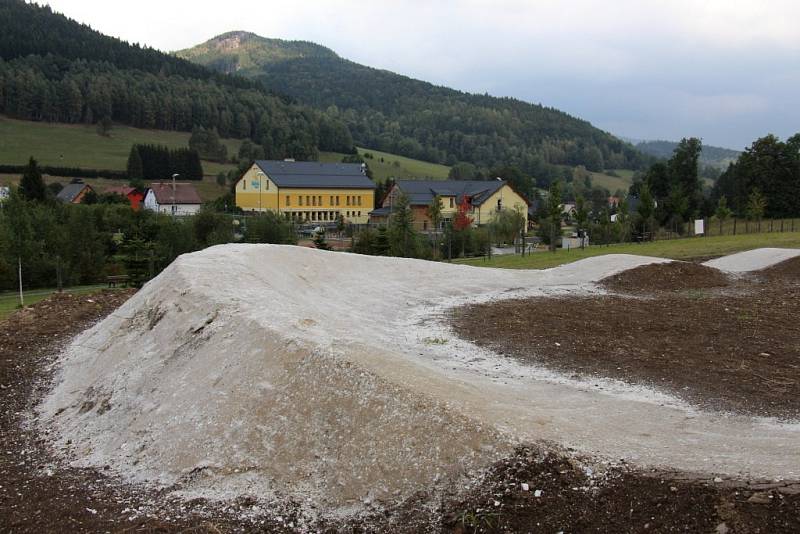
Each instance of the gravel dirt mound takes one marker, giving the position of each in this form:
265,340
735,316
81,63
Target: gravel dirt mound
333,381
731,353
787,271
672,276
39,494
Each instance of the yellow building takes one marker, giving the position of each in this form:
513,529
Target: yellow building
485,199
308,191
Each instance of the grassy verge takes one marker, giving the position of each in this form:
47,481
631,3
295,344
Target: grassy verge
385,165
9,300
678,249
79,145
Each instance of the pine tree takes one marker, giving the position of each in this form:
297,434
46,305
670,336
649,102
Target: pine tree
135,166
722,212
31,186
554,210
401,230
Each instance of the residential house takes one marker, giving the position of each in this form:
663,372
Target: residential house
74,192
5,192
569,210
175,199
134,196
308,191
485,198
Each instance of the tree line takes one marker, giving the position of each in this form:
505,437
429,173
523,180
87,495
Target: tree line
85,243
158,162
56,70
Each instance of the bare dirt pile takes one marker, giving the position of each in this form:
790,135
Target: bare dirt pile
38,494
787,271
735,351
672,276
207,388
332,381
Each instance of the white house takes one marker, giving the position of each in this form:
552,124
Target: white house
183,199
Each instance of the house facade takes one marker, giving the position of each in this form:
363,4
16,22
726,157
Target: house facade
308,191
134,196
485,199
182,200
74,192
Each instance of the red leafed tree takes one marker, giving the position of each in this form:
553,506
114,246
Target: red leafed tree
462,220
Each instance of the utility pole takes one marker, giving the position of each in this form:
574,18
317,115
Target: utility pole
260,187
58,273
173,193
21,299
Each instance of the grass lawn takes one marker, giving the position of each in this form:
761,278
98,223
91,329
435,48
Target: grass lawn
9,300
79,145
385,165
613,183
678,249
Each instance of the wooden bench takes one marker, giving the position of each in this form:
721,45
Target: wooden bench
117,279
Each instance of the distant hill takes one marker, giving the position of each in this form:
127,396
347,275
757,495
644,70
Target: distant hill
711,155
394,113
245,53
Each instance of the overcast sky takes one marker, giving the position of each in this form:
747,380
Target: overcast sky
724,70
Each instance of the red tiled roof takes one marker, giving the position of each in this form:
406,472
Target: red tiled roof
184,193
119,190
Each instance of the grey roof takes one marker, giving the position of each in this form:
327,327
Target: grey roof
70,191
381,212
306,174
422,192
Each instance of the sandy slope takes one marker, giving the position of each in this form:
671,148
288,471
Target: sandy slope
327,376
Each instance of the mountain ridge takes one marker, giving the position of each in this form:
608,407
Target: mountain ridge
238,50
402,115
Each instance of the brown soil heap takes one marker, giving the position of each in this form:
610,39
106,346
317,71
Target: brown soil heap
787,271
40,494
738,351
672,276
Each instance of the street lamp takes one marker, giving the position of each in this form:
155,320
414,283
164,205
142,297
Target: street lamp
260,187
173,193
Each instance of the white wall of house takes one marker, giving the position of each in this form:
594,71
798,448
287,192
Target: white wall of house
150,203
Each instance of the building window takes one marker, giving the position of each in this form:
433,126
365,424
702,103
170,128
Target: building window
348,201
314,200
337,200
267,184
319,200
359,200
244,184
452,203
300,198
288,200
331,200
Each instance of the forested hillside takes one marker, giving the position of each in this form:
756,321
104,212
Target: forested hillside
394,113
55,69
711,155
